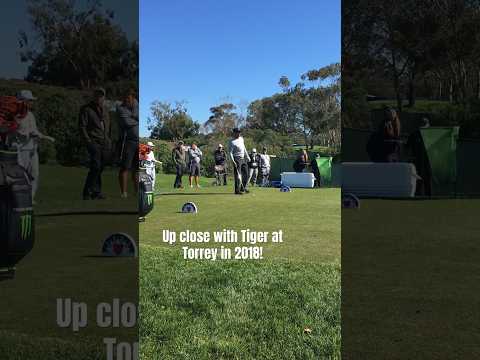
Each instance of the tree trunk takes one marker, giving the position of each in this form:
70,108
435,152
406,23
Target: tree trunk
411,90
396,83
451,91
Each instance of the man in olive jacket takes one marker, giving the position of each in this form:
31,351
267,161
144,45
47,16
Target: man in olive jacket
178,158
95,129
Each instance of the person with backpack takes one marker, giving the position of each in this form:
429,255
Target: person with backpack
253,167
220,157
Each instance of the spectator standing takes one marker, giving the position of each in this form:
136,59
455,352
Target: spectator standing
95,129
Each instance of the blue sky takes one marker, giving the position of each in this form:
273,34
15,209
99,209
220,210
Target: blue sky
208,51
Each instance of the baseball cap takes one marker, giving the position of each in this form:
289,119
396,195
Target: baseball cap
220,145
25,95
151,144
236,130
254,150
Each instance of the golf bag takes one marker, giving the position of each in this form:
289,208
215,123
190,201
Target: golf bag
17,225
145,194
220,175
145,183
16,213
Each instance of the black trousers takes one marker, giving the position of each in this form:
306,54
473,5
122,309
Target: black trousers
178,178
93,182
242,180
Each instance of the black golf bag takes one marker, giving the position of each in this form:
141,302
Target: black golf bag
17,225
145,193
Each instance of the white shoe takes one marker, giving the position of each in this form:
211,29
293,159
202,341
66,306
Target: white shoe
198,186
124,195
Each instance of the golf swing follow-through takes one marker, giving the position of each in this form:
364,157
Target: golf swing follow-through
240,158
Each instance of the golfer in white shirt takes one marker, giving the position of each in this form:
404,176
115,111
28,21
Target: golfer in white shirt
239,156
151,162
27,146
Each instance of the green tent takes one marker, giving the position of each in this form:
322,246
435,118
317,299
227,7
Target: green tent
325,167
441,146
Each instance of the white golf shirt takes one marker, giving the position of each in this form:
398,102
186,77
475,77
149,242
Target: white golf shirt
237,149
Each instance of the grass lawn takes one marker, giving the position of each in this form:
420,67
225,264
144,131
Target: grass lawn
65,263
247,309
411,280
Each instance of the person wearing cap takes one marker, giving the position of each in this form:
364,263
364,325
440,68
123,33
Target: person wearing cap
240,158
178,158
265,167
28,140
95,129
151,162
127,113
220,157
253,167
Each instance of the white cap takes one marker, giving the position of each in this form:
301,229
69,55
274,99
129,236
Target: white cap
220,145
254,150
151,144
25,95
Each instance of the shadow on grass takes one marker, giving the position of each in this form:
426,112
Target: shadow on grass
106,257
193,194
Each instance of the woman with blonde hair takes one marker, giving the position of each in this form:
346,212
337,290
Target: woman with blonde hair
391,135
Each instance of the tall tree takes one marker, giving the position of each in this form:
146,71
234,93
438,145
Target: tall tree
171,121
74,46
223,119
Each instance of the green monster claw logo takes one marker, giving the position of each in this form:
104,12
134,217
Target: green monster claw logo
149,199
26,226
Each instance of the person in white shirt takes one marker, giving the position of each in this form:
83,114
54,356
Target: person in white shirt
265,167
151,163
240,158
195,156
27,145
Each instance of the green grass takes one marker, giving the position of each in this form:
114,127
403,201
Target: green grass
243,309
65,264
410,280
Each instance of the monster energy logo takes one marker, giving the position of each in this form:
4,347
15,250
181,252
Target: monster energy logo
149,199
26,221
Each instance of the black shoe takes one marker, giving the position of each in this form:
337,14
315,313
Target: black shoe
98,196
247,191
